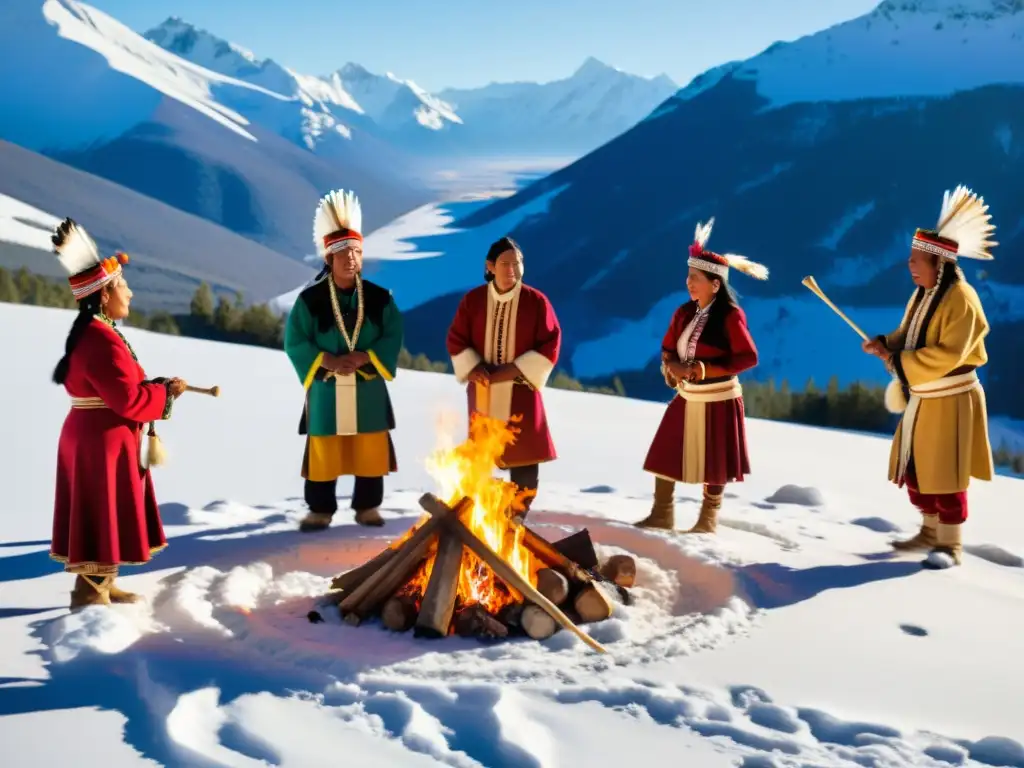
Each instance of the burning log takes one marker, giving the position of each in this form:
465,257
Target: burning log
385,581
511,615
352,579
553,585
537,623
438,603
620,569
475,621
399,613
501,569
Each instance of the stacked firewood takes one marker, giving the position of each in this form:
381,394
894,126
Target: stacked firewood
571,589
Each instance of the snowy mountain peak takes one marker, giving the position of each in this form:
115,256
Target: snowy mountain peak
183,39
902,48
953,9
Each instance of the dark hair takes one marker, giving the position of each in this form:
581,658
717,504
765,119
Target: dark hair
725,298
88,308
497,248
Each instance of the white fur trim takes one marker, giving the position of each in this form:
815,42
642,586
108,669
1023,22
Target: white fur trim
535,367
895,402
464,363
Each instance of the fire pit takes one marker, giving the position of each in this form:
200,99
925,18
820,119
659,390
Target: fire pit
467,568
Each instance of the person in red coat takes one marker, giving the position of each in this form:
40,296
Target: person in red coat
702,438
105,512
504,342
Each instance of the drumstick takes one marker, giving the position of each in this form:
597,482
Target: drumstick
811,283
212,391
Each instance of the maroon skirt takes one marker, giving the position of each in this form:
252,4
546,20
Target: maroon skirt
725,443
105,511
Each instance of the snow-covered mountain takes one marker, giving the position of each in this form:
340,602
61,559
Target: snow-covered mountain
82,88
745,648
806,180
171,251
568,116
572,115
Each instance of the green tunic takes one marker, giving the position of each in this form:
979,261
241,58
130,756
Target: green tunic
312,330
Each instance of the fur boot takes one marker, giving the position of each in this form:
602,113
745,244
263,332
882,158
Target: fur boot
369,517
315,521
663,511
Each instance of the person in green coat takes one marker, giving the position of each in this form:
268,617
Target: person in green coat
343,337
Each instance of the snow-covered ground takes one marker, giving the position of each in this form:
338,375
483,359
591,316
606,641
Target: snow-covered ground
791,639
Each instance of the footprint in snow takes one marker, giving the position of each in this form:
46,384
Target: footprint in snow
913,630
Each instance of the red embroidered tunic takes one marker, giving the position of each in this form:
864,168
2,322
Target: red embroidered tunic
723,343
518,327
105,510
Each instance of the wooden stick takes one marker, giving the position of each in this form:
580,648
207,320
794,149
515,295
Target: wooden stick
501,569
212,391
381,585
811,283
438,603
351,579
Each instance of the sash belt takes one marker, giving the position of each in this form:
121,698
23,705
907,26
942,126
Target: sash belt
947,386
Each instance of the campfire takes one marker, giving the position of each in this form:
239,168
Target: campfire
467,568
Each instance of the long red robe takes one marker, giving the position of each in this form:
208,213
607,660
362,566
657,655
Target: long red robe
516,327
725,343
105,511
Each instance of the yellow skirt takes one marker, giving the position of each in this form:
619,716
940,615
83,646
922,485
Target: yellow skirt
329,457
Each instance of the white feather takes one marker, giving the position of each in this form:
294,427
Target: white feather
338,209
703,232
964,219
746,266
77,252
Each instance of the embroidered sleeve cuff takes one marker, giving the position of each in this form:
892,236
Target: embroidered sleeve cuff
379,366
311,373
535,368
464,363
897,367
169,404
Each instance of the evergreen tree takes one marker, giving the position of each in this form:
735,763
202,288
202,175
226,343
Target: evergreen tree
202,305
8,288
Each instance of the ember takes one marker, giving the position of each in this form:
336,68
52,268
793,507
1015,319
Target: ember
467,568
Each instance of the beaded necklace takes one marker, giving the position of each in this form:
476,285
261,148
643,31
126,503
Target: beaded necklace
110,324
340,320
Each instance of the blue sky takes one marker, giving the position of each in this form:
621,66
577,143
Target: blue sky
467,43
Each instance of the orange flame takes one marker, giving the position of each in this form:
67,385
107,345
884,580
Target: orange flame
467,470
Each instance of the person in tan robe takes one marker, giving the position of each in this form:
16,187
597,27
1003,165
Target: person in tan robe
942,439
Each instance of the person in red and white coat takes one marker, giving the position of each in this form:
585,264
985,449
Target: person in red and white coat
105,513
702,436
504,342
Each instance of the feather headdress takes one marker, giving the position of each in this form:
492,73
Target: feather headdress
963,229
338,222
80,258
75,250
719,264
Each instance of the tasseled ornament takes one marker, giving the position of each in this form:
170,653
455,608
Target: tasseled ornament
895,401
156,453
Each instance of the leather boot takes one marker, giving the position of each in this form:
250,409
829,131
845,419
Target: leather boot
118,595
707,521
90,591
663,511
948,550
923,539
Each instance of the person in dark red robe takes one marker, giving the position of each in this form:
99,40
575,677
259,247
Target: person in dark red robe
105,512
702,436
504,342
